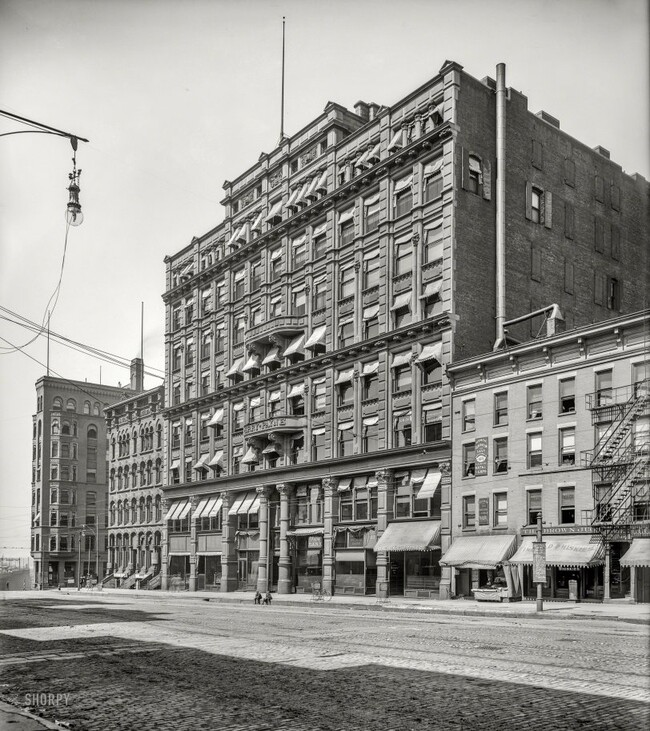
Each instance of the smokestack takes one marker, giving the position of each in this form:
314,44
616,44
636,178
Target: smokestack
501,203
137,375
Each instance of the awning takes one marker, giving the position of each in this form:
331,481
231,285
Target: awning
215,509
430,352
201,464
638,554
432,168
396,140
474,165
175,508
293,197
429,485
247,502
237,503
432,289
217,460
346,425
322,182
257,223
305,532
250,457
346,216
370,312
317,337
320,229
274,396
361,161
299,241
297,389
370,368
272,356
271,448
217,418
479,552
275,211
236,368
370,420
252,362
572,551
234,237
371,202
402,300
344,376
254,402
185,509
344,484
412,535
201,508
296,346
175,465
403,183
374,153
255,506
400,359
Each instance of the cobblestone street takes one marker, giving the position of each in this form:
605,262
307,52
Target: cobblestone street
160,663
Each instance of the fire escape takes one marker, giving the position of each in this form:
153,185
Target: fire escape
620,461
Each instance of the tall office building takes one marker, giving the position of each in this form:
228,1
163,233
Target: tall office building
307,408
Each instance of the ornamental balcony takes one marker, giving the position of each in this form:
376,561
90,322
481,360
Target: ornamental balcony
281,326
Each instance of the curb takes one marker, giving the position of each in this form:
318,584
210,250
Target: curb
6,709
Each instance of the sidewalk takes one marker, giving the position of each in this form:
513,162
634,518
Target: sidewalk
616,610
16,719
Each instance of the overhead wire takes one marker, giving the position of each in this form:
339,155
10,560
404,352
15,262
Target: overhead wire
107,356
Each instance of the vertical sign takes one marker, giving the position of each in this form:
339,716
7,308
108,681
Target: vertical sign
484,511
481,456
539,562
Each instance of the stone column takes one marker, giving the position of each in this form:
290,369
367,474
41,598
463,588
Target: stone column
385,492
265,559
330,515
448,573
606,572
284,568
194,501
164,548
633,584
229,580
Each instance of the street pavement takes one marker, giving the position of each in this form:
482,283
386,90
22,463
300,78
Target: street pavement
155,660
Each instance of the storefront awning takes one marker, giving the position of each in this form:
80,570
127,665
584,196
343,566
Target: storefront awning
178,510
572,551
201,508
254,508
479,552
412,535
185,509
305,532
214,509
638,554
237,503
247,503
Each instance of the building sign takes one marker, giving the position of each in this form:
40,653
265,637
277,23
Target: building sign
314,542
481,456
531,530
484,511
539,562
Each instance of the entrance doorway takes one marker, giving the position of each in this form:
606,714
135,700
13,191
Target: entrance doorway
396,571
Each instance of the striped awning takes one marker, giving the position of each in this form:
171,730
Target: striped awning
178,509
479,552
638,554
411,535
572,551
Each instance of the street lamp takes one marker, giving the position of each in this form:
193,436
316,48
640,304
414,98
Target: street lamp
82,534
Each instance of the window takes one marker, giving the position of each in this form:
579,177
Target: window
371,322
221,293
536,205
176,435
239,330
189,353
319,297
346,228
274,403
238,416
189,432
500,450
403,255
319,396
319,241
432,422
402,378
346,333
239,284
402,428
567,505
401,308
370,434
299,301
469,415
403,196
345,393
276,264
219,339
318,443
370,386
371,214
534,450
534,401
432,180
189,311
613,294
469,511
431,372
256,276
567,446
603,388
567,396
206,300
474,175
276,308
299,251
539,205
500,509
371,269
500,408
469,460
534,505
346,282
433,244
346,439
297,449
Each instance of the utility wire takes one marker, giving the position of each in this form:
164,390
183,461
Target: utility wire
73,384
73,344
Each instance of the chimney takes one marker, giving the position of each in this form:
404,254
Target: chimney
137,375
361,110
601,151
373,109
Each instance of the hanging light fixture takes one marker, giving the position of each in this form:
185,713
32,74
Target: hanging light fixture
73,214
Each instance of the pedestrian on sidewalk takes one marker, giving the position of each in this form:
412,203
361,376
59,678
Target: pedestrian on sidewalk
267,598
258,597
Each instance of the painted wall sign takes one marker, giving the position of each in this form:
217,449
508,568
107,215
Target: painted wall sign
481,447
484,511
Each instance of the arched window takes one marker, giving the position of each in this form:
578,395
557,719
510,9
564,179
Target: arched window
113,449
74,428
134,511
92,432
112,514
119,478
158,516
57,403
40,426
112,480
96,410
71,405
65,429
55,427
86,407
159,436
158,472
149,472
135,442
141,510
120,513
149,510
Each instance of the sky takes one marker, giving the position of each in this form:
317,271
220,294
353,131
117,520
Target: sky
176,97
